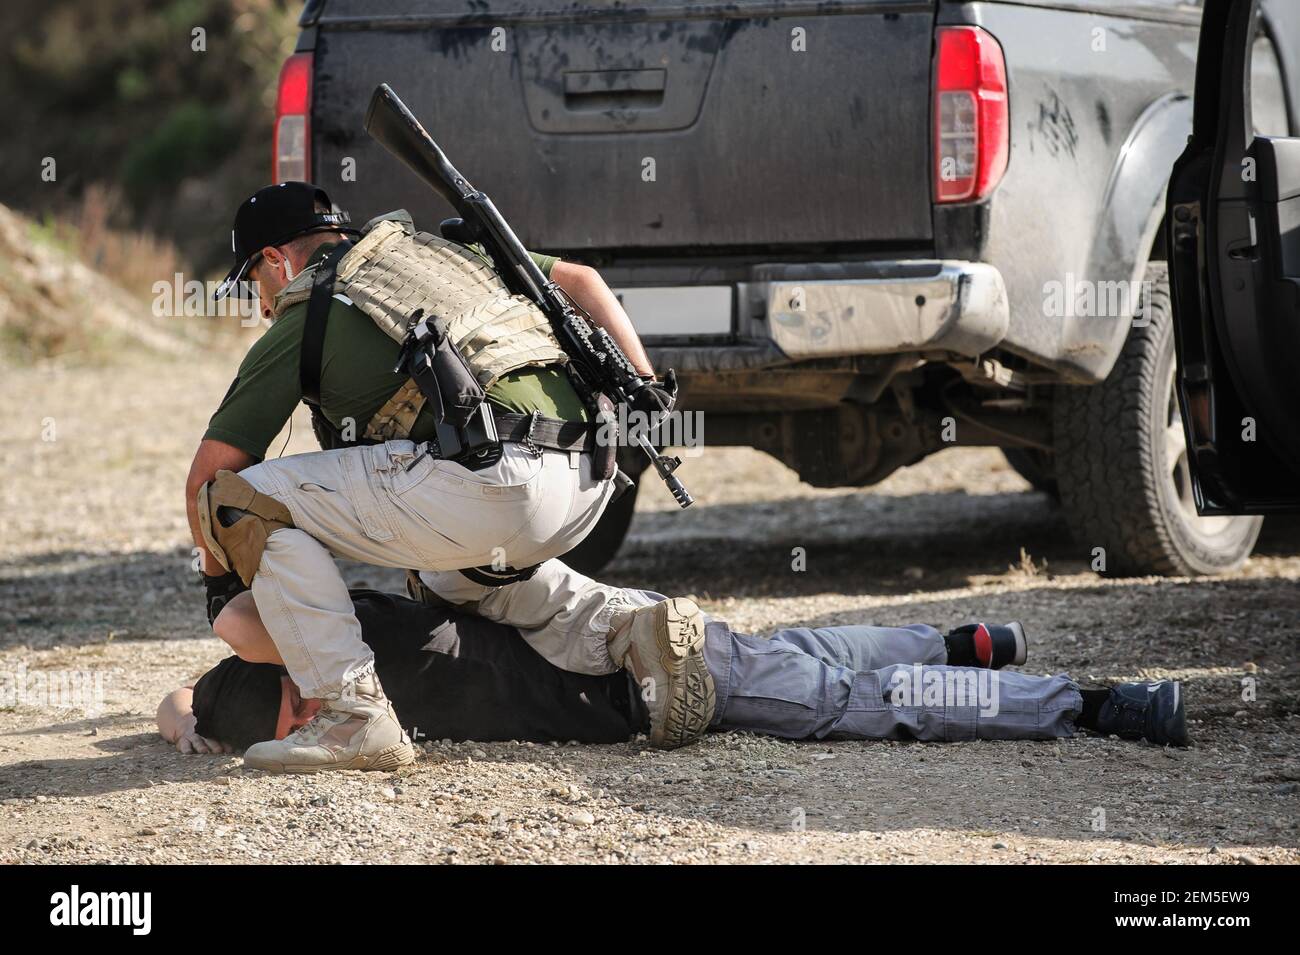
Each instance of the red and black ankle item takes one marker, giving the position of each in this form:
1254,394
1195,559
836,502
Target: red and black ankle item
988,645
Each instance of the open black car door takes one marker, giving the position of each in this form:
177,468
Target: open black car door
1234,258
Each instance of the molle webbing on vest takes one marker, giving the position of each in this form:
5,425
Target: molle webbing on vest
394,421
390,274
503,335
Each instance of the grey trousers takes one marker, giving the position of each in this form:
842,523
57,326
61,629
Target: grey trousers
862,682
856,682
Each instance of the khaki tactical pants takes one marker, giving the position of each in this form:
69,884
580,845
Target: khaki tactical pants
386,504
562,614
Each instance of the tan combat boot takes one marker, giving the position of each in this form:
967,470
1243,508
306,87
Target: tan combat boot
663,646
358,730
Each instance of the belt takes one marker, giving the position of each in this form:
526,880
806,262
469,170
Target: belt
536,431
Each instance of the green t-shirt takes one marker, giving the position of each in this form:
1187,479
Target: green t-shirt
357,379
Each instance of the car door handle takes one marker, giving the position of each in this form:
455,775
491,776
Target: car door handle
614,89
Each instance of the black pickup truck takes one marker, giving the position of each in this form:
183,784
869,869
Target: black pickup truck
860,230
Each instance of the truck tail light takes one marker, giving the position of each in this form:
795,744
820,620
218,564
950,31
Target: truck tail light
971,118
291,152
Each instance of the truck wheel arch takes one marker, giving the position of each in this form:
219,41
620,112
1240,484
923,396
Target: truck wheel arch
1135,195
1129,233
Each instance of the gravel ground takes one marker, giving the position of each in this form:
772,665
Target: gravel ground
95,577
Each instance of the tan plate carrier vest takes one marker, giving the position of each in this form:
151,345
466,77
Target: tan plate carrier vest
394,271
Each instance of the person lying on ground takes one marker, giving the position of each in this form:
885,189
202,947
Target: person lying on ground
455,675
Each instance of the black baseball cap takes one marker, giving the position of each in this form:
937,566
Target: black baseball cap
271,216
237,702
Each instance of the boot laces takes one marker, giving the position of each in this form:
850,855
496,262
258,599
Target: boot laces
316,725
1132,713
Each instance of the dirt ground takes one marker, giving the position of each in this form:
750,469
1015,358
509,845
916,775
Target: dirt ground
95,576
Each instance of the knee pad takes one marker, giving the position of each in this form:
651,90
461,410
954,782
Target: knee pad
236,519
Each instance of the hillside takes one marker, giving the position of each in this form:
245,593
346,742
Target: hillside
54,305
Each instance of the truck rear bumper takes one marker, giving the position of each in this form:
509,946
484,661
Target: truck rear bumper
796,313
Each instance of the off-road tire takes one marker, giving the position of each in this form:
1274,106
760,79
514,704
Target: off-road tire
1116,444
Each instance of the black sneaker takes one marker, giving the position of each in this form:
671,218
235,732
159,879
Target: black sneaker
989,645
1150,711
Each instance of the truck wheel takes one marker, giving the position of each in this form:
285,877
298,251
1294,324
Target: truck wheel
1122,467
601,546
1036,467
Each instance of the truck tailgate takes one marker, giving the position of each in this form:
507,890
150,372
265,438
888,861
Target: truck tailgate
655,125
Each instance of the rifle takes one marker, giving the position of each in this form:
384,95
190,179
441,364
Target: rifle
599,362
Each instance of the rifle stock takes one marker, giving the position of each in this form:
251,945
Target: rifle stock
395,127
